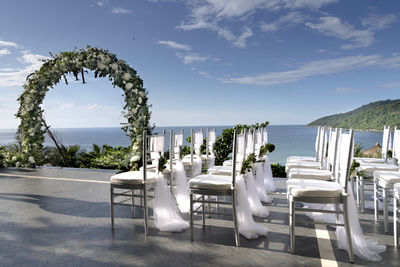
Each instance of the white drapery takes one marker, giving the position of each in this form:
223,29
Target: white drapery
256,207
268,178
260,183
366,249
182,188
247,227
166,214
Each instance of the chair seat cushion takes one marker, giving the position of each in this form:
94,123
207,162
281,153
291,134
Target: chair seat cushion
220,170
208,181
187,161
300,158
133,177
313,188
227,162
369,168
302,165
314,174
396,190
387,178
370,160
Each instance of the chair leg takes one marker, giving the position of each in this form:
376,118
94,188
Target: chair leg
376,200
235,222
348,231
358,190
112,205
292,224
395,219
209,207
362,194
141,199
146,215
133,203
191,217
203,208
385,209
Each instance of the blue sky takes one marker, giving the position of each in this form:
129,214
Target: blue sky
215,62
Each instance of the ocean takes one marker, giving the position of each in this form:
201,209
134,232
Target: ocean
289,139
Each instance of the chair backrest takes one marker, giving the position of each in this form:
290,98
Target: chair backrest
175,144
317,142
321,145
396,144
345,158
385,141
210,140
333,141
153,144
249,142
197,141
155,147
264,134
257,141
239,146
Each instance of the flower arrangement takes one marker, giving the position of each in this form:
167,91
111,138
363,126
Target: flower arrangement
30,132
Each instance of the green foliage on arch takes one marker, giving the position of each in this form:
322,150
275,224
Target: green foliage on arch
30,132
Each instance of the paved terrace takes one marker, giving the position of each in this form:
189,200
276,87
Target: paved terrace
55,216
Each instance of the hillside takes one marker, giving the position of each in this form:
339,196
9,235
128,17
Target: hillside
372,116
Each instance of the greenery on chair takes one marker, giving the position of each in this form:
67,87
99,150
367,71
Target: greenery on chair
278,170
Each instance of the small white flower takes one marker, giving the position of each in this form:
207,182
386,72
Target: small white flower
32,134
31,160
17,164
140,100
126,76
143,94
14,158
128,86
135,147
135,158
114,66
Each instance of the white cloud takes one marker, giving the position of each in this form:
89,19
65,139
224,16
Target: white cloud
120,10
378,22
346,90
319,67
191,58
291,19
241,40
10,44
4,51
17,77
175,45
102,3
333,26
209,15
205,74
390,85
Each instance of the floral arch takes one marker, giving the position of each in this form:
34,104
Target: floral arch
30,132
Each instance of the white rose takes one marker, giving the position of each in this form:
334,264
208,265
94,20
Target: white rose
101,66
31,134
31,159
114,66
14,158
135,158
142,93
136,91
135,147
126,76
140,100
128,86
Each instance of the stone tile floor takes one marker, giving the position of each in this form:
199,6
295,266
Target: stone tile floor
60,217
